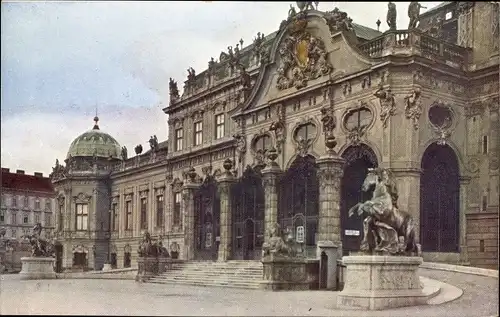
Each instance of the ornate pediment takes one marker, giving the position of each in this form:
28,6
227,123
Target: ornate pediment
83,198
303,57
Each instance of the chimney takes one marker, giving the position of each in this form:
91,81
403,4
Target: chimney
5,170
37,174
20,172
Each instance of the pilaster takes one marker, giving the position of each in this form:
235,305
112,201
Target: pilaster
270,177
225,184
187,209
331,168
408,184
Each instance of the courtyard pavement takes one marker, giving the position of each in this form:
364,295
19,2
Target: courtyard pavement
126,297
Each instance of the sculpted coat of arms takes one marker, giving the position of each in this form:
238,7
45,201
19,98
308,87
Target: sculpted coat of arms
303,58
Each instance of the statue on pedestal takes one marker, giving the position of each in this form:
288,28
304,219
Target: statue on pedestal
279,243
391,15
40,247
387,229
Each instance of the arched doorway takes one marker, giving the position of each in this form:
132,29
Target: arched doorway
298,202
439,200
358,159
207,220
59,256
248,216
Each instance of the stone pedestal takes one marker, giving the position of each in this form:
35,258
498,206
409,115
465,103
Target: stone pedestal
328,254
107,267
164,264
225,184
146,268
382,282
37,268
282,273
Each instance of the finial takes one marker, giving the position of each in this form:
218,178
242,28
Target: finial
96,120
241,43
378,24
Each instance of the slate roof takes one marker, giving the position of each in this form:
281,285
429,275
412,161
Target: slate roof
23,182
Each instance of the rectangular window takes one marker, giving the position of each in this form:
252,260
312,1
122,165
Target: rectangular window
177,209
25,219
485,144
26,201
82,216
128,216
179,136
14,233
219,126
14,201
159,211
484,203
2,216
48,220
37,204
198,133
60,219
144,213
114,217
48,205
37,218
13,218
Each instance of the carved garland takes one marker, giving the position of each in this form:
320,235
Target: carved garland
278,127
355,136
387,103
83,198
413,107
331,176
177,185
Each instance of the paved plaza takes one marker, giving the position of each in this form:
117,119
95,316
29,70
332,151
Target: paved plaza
126,297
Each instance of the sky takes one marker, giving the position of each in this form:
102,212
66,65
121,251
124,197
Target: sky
60,61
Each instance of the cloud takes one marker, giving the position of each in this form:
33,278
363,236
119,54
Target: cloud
33,140
62,59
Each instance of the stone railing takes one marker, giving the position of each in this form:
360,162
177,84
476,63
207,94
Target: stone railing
414,42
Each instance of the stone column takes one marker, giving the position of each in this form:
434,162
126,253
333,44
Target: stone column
188,211
464,184
225,183
331,168
270,177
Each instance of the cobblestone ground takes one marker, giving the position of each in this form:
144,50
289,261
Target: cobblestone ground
126,297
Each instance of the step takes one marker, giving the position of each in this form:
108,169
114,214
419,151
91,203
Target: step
206,284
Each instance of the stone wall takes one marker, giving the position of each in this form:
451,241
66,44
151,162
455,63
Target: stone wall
482,239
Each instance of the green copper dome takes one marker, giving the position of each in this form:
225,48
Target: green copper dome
95,142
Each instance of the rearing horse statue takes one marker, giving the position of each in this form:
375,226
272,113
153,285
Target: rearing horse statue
305,5
386,228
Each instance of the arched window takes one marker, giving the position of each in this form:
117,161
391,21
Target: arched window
440,116
305,132
358,119
262,143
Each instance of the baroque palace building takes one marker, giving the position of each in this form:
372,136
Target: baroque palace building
283,130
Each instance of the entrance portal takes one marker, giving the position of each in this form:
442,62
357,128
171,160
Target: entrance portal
248,216
298,202
358,159
207,220
439,200
59,256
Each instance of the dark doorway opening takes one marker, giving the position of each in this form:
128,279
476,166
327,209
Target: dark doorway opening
113,261
207,220
127,259
439,200
248,216
323,265
59,258
358,159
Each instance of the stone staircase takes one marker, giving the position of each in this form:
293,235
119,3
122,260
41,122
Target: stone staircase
236,274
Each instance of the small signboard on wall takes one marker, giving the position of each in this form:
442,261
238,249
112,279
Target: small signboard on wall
299,236
352,233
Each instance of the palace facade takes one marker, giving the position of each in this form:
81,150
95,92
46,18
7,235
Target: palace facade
284,130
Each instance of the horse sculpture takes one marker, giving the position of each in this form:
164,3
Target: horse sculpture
39,246
386,228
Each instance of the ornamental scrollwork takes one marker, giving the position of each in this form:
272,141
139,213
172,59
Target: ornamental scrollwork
177,185
303,57
83,197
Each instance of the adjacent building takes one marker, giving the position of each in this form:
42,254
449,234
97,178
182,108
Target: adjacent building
26,200
284,129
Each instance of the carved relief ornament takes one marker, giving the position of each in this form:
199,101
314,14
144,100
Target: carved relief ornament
278,127
330,177
241,145
387,104
303,57
143,194
259,155
177,185
413,107
82,197
115,199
